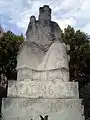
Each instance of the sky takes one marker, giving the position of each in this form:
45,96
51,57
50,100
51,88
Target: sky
15,14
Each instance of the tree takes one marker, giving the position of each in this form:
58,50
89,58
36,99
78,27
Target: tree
79,52
9,47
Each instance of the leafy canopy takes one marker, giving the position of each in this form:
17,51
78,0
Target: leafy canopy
9,47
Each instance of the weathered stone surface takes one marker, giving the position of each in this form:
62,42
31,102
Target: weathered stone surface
43,89
47,75
56,109
56,57
54,62
43,49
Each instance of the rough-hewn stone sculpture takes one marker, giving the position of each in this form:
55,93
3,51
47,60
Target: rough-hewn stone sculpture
44,50
43,89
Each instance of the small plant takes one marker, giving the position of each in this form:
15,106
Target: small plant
43,118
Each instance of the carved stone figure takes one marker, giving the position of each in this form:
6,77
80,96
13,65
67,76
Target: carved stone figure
43,30
43,51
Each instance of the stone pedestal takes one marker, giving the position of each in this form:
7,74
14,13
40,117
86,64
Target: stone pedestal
27,100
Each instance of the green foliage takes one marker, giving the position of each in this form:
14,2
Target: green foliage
79,52
9,46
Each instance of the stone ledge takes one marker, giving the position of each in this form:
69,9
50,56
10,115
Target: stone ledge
32,108
65,103
43,89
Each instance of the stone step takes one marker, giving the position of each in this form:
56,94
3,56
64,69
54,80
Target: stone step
27,109
43,89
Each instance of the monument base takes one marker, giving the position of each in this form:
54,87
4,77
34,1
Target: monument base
43,89
32,109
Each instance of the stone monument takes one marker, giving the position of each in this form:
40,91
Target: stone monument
43,90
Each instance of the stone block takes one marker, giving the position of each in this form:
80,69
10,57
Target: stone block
43,89
27,109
